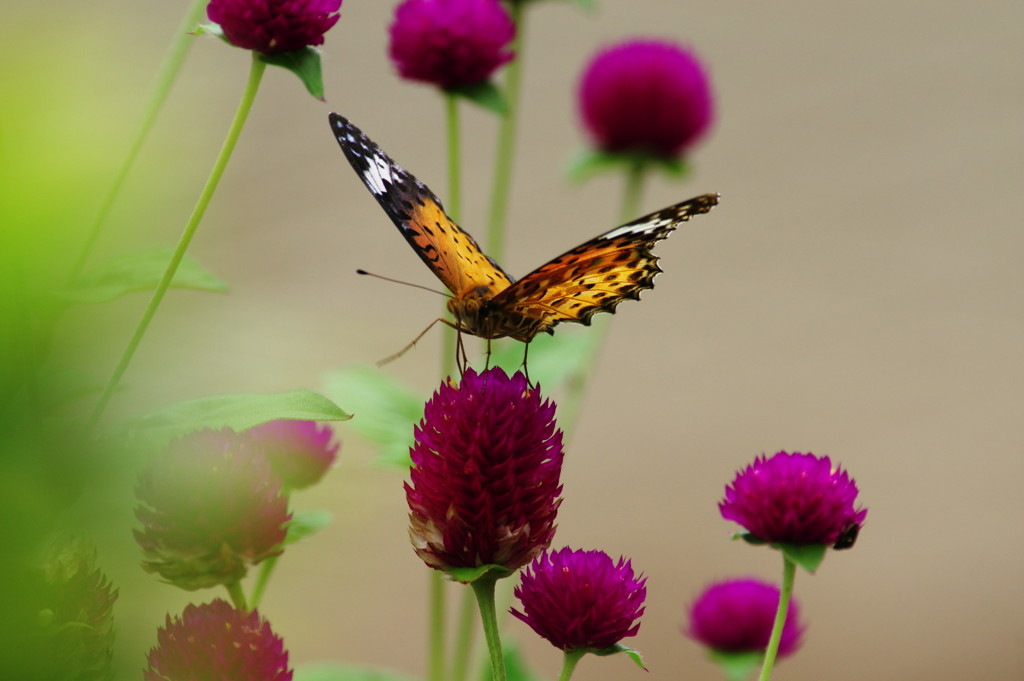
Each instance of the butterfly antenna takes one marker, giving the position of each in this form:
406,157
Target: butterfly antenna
405,283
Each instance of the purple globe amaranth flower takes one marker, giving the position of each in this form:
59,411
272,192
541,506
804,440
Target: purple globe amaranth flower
274,26
793,499
484,486
646,96
210,507
581,599
450,43
216,641
737,616
300,452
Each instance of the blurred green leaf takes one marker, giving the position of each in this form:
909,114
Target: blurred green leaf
235,411
592,162
468,575
140,272
619,648
807,556
306,524
554,361
736,666
305,64
329,671
388,410
484,94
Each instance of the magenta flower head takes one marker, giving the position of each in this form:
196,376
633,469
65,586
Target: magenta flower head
581,599
210,507
646,97
793,499
484,486
737,615
450,43
216,641
300,452
274,26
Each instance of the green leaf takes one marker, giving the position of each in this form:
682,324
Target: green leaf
484,94
306,524
235,411
470,575
305,64
592,162
749,538
554,361
807,556
736,666
388,410
211,29
330,671
619,648
141,272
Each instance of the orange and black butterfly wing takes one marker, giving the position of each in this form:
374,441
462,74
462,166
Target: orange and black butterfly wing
595,276
449,252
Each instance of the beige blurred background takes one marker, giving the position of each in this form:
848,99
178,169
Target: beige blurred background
857,293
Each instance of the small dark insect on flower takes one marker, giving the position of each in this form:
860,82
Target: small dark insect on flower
847,537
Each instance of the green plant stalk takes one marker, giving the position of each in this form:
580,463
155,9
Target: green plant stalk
435,651
495,243
244,106
569,664
165,79
237,596
463,638
266,570
484,590
785,593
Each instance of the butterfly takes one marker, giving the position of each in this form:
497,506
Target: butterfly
593,277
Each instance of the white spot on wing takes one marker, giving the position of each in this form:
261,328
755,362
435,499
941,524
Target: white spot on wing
378,173
643,228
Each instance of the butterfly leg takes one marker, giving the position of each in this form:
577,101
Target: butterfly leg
526,369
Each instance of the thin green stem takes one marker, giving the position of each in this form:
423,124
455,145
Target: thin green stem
631,195
435,653
161,88
266,570
569,663
255,76
463,638
484,590
785,593
237,596
506,140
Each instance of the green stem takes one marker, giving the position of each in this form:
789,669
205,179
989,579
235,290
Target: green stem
266,569
435,653
255,75
633,190
165,79
237,596
506,141
453,206
788,574
463,639
484,590
569,664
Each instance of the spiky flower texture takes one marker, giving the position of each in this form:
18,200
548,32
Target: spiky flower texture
274,26
793,499
210,507
216,641
484,487
450,43
581,599
737,615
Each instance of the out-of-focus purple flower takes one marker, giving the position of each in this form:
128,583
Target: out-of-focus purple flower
210,507
737,616
300,452
450,43
484,486
793,499
274,26
216,641
646,96
581,599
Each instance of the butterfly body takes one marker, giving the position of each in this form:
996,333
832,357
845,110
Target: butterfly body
486,302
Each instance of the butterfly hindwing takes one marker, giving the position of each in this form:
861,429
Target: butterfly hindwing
597,275
452,254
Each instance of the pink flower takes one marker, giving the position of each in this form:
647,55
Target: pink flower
216,641
450,43
646,96
737,616
484,485
274,26
793,499
581,599
300,452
